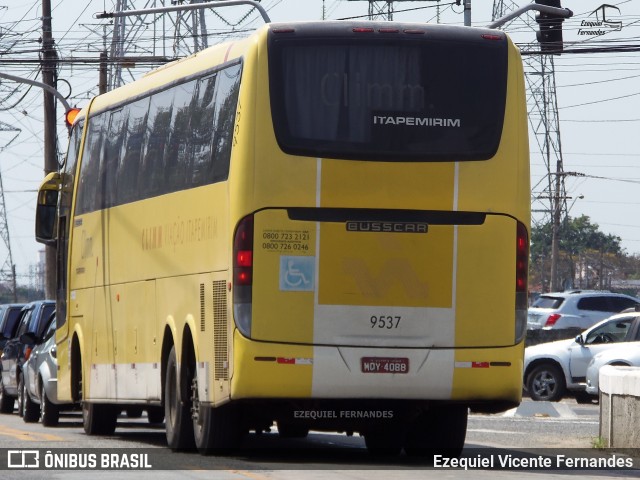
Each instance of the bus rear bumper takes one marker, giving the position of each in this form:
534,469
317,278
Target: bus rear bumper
481,376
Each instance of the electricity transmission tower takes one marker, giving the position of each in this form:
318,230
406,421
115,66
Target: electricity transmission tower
165,36
384,9
545,125
8,268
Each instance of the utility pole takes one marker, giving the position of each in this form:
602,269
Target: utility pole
49,64
467,13
545,123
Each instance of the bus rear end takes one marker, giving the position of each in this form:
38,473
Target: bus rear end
380,260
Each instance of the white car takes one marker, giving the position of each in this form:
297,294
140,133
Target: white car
576,308
550,369
626,355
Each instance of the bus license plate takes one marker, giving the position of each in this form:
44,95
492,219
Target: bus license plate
384,365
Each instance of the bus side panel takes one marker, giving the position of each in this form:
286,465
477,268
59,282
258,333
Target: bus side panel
198,304
136,346
148,239
88,310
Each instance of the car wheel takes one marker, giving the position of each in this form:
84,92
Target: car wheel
30,413
546,383
49,412
6,402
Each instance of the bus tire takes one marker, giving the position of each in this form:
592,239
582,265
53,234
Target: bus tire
439,431
134,412
177,413
99,419
155,415
383,443
216,430
290,430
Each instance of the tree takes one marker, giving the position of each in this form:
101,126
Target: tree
587,256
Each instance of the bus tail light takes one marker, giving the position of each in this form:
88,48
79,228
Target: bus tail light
522,275
243,275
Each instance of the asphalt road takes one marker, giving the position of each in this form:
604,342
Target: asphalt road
535,429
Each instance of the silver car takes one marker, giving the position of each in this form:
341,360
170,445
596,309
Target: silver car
550,369
38,396
576,309
623,355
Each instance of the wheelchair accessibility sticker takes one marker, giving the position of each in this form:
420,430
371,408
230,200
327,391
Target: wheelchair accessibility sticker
297,274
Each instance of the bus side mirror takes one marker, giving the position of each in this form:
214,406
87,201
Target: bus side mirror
46,209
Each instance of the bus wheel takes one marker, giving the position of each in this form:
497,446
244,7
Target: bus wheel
155,415
215,429
134,412
98,419
383,443
440,431
177,413
290,430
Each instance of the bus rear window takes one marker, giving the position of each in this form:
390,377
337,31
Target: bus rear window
402,100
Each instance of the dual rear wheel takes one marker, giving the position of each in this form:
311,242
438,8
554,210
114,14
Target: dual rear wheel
189,423
439,431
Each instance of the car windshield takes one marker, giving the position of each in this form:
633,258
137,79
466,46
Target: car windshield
545,301
610,332
50,328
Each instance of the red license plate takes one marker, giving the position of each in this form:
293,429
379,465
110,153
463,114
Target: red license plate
384,365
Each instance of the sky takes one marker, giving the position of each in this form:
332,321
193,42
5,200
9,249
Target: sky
598,96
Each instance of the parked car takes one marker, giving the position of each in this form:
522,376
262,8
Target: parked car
9,315
576,308
38,397
550,369
33,317
624,355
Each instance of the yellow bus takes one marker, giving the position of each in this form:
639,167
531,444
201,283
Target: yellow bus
323,226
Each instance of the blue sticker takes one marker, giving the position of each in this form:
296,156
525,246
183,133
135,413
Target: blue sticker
297,274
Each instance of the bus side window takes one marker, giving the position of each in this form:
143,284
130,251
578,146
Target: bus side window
130,159
226,103
112,155
89,170
151,178
203,121
178,153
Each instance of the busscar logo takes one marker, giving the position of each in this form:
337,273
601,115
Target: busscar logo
393,227
23,459
601,21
